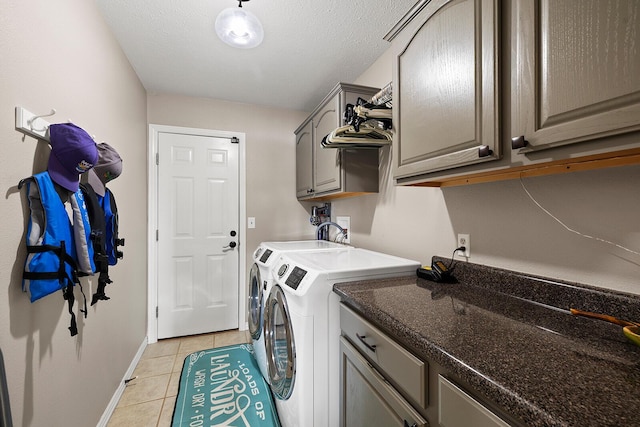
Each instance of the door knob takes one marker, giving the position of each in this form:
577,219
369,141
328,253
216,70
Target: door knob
230,245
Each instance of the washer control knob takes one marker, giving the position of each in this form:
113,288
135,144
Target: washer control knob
283,269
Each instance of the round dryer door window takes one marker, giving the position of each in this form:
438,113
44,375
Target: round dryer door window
255,302
279,344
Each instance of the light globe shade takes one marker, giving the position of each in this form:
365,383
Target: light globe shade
239,28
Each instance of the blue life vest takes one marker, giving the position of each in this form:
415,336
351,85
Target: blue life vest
98,237
108,203
52,247
82,234
103,217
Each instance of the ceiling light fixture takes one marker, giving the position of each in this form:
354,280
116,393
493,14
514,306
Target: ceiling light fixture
239,28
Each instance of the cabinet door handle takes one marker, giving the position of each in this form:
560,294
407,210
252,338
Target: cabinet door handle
518,142
484,151
371,347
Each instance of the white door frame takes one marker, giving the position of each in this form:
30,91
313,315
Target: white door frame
152,214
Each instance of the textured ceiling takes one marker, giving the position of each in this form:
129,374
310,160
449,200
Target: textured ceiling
308,47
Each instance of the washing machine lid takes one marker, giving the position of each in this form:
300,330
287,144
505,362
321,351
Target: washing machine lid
256,302
280,344
357,261
267,253
297,245
305,268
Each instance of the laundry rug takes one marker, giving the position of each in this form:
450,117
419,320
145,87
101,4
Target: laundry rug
223,387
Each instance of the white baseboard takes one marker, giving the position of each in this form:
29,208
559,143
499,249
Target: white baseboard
118,393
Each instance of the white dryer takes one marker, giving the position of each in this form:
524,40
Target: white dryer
302,329
261,281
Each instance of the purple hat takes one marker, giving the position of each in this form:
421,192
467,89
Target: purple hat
73,152
108,167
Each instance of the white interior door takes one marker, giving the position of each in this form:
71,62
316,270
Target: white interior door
198,224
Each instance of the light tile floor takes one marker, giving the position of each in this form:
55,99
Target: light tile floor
149,399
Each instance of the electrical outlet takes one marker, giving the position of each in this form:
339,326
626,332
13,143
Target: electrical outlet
464,240
345,223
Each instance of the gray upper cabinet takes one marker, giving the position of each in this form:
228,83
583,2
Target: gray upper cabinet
446,88
304,156
327,160
326,173
576,71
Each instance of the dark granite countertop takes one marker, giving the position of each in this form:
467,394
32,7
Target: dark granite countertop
511,337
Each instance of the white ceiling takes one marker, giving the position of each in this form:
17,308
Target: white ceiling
308,47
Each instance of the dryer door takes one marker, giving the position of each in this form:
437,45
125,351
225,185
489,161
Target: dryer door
256,302
280,344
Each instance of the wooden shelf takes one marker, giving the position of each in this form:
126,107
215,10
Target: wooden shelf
595,161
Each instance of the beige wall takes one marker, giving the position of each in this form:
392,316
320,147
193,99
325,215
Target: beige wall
61,55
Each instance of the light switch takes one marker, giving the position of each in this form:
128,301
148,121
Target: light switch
251,222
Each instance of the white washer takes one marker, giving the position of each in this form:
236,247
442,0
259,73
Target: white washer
261,281
302,329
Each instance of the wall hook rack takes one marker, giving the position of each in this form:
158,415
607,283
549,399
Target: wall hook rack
33,124
35,118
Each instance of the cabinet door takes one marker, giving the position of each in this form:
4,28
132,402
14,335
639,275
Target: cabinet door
327,161
576,70
399,365
366,399
458,409
304,162
446,89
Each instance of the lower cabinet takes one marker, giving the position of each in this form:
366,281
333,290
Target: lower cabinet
372,386
367,399
457,408
383,384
